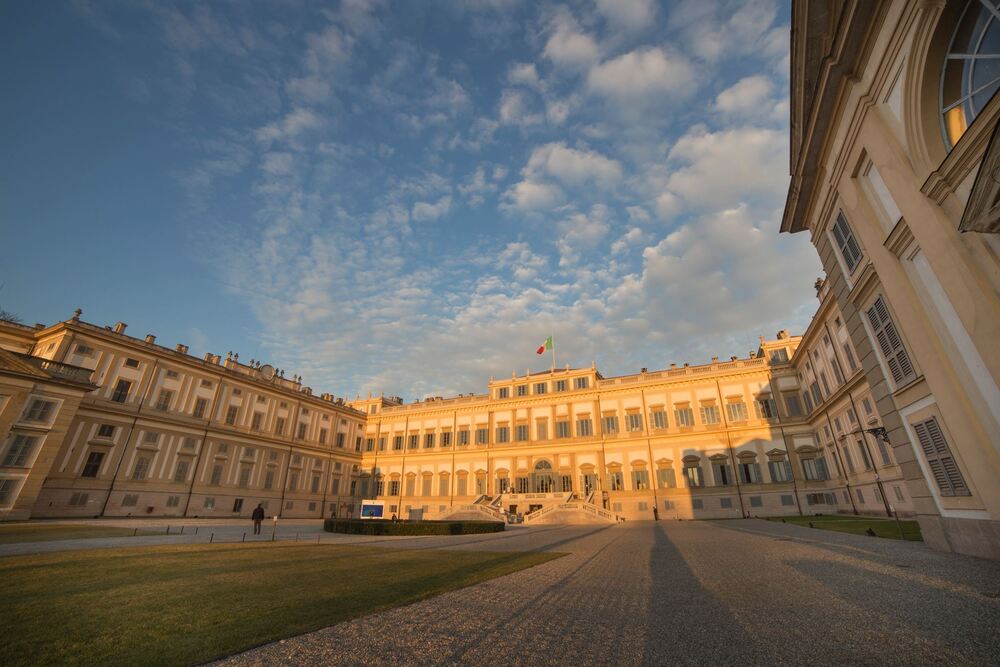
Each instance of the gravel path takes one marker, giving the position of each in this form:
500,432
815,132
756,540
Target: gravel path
688,592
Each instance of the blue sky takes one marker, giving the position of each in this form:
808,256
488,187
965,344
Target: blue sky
406,196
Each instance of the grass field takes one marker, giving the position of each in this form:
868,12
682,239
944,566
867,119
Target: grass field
34,532
185,604
858,525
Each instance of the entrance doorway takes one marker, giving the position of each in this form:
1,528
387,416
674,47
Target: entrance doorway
542,479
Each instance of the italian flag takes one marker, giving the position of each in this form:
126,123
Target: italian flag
547,345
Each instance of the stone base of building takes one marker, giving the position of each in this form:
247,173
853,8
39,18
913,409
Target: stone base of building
972,537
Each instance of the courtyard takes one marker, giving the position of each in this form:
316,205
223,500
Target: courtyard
637,593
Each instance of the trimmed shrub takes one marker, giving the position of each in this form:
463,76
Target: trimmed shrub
387,527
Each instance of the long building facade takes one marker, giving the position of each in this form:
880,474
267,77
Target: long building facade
894,176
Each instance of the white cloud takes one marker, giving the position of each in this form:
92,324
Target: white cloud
632,237
568,45
628,14
528,196
295,122
516,109
523,74
746,96
427,211
640,74
308,89
582,232
574,166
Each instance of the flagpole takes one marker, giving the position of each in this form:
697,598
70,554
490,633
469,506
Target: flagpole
553,354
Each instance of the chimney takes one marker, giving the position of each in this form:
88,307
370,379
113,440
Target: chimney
150,338
673,365
120,327
644,370
182,348
715,360
733,358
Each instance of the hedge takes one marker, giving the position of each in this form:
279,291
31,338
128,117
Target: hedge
386,527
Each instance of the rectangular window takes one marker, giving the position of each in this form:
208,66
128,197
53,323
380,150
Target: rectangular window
693,475
141,468
19,451
883,451
381,444
899,493
849,248
293,481
756,501
76,500
210,503
710,414
301,432
463,436
84,349
244,479
106,431
633,422
369,444
223,448
216,478
414,441
541,387
121,392
482,436
279,426
269,479
815,469
340,439
314,485
792,405
666,478
199,407
781,471
889,342
560,385
849,460
749,473
615,481
852,363
446,438
808,401
581,383
231,414
397,442
562,429
684,417
779,356
944,468
521,432
503,434
541,431
93,464
584,428
610,425
640,480
522,390
736,412
658,419
238,505
181,473
503,392
428,441
256,421
863,453
173,501
132,363
787,501
723,474
163,401
697,504
766,408
322,437
130,500
726,503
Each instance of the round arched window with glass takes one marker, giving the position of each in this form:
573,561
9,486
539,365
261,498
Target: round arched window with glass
971,69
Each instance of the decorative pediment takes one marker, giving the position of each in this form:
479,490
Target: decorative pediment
982,212
776,453
806,449
691,458
747,457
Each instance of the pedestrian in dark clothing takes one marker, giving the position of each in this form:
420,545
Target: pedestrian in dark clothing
257,516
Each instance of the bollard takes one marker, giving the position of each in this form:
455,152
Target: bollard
196,530
135,532
168,529
211,538
244,537
182,530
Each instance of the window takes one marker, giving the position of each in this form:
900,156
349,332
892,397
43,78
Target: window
209,503
369,444
130,500
279,426
615,481
216,478
414,441
736,412
231,414
749,473
640,480
173,501
150,438
141,468
522,390
322,437
223,448
852,363
163,401
503,392
792,405
238,505
658,419
428,441
244,480
849,248
726,503
541,388
815,469
723,474
779,356
334,486
256,420
633,422
863,453
560,385
541,431
40,411
84,349
610,425
849,460
666,478
697,504
883,451
80,499
808,400
521,432
766,408
239,392
381,444
943,466
181,473
710,414
787,501
581,383
860,495
684,417
132,363
293,481
463,436
93,464
781,471
968,78
206,383
199,407
562,429
889,342
503,433
269,479
482,436
314,485
899,493
106,431
584,428
394,487
756,501
693,475
300,433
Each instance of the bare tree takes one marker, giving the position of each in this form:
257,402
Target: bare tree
7,316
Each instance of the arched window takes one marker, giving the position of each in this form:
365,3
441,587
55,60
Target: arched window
543,465
971,72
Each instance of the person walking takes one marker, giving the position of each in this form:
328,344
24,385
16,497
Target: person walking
257,516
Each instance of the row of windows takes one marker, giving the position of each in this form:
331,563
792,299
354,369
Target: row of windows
543,387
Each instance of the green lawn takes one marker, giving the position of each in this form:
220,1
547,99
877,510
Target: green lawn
858,525
185,604
35,532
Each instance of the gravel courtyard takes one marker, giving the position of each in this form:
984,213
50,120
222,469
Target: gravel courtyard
688,592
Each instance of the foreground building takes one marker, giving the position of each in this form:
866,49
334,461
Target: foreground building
894,175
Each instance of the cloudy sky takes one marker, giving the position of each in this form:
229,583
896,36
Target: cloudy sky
404,196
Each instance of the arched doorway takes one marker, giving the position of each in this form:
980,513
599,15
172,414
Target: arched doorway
542,478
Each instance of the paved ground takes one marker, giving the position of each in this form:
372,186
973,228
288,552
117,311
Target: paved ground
688,592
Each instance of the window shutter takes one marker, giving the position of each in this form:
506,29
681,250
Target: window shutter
889,342
942,464
849,248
